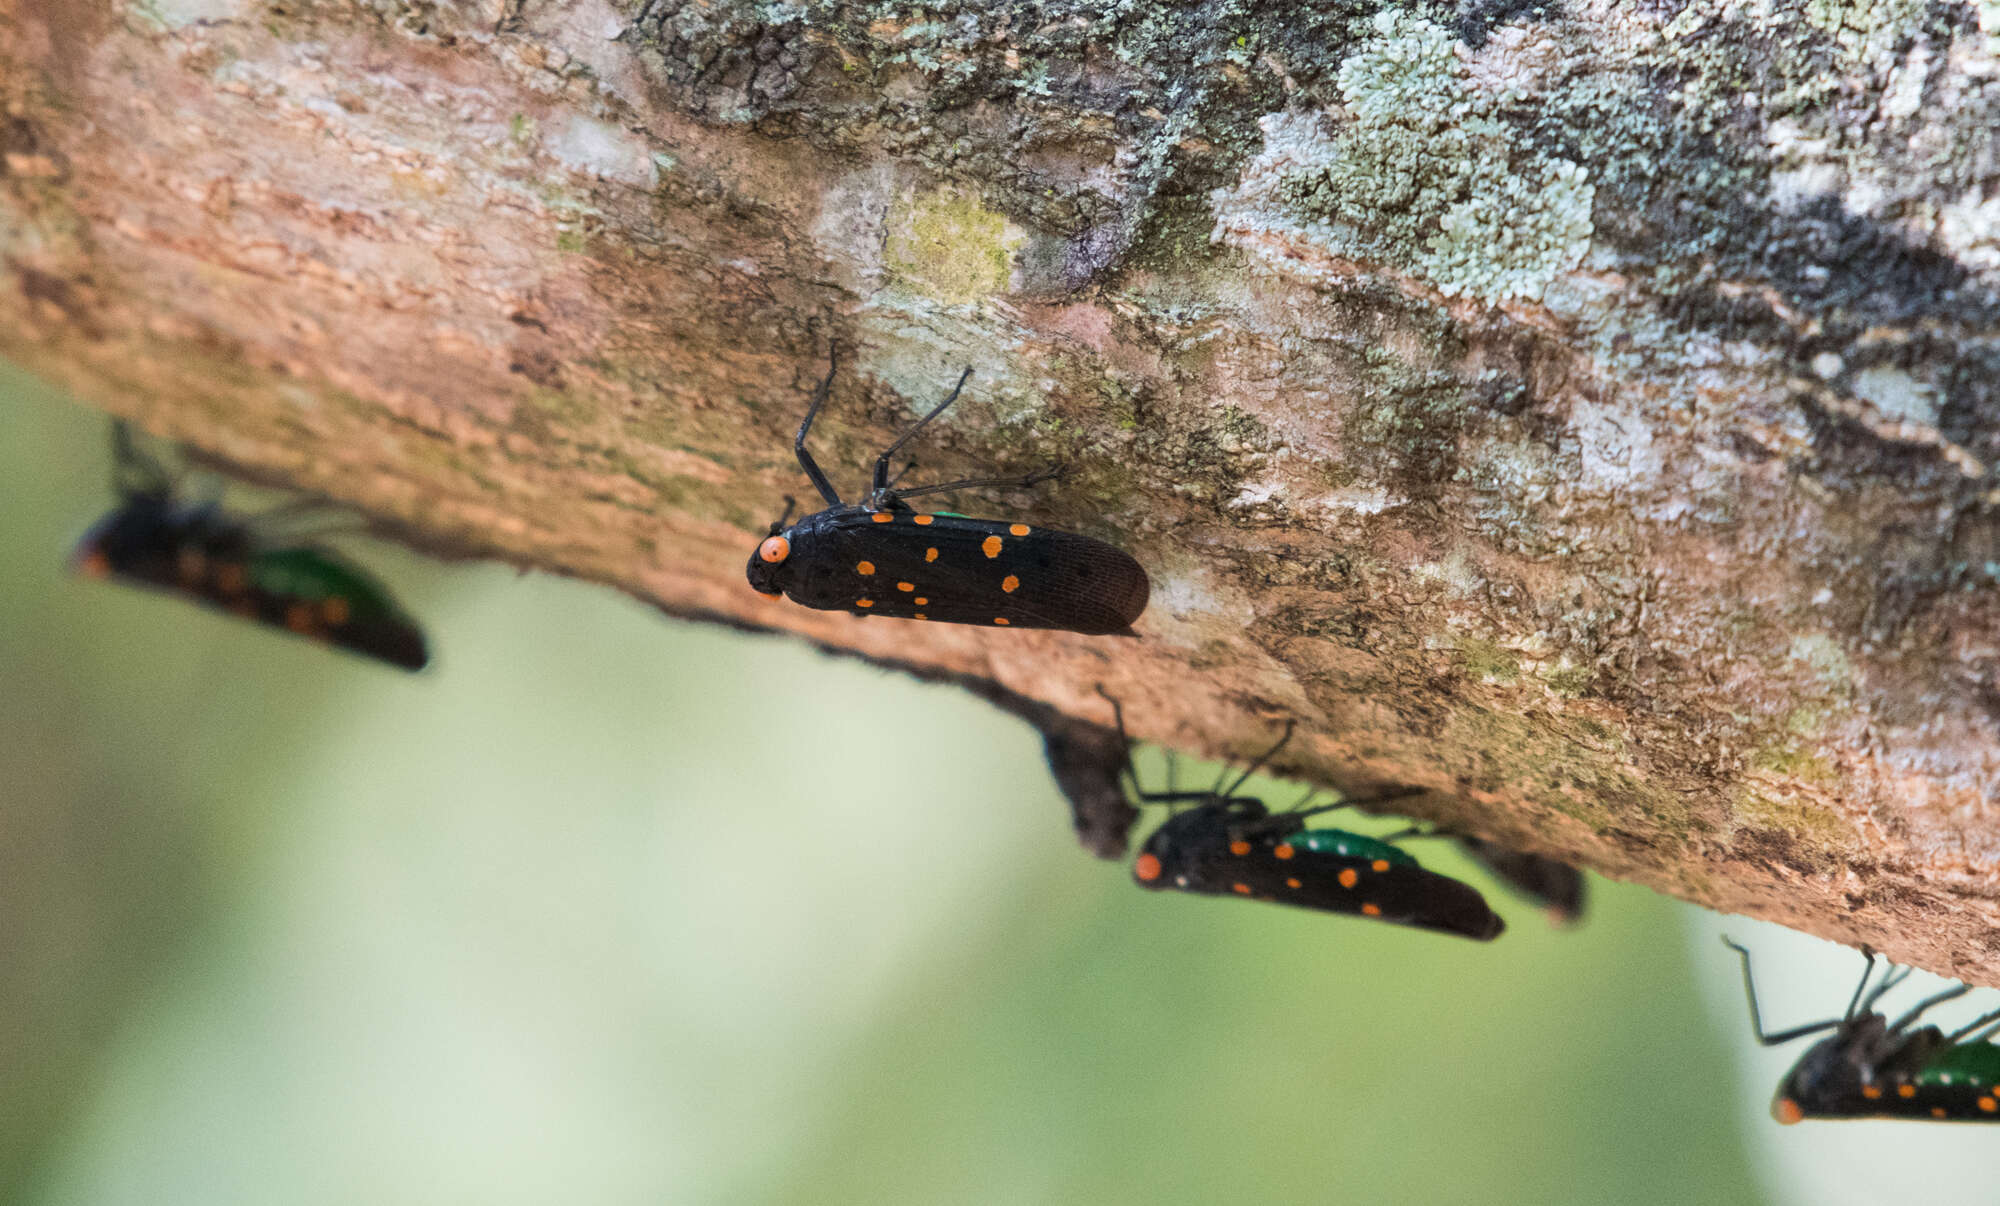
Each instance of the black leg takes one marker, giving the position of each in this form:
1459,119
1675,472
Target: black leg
806,461
1011,483
881,480
1757,1018
1261,759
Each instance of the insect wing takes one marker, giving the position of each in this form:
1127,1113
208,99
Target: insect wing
977,571
1398,893
317,594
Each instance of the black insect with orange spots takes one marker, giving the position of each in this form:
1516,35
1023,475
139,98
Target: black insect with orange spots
198,551
881,558
1226,844
1872,1067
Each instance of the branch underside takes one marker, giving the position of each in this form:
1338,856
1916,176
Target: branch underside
1601,469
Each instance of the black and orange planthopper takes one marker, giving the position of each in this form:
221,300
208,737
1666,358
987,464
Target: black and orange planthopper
880,557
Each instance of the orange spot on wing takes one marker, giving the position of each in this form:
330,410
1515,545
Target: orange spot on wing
1291,883
1146,867
1988,1104
335,610
299,618
1871,1092
1242,888
1371,910
1380,864
864,568
1010,584
883,517
990,546
1239,847
1348,877
233,579
1906,1091
920,601
1284,850
864,602
191,566
1019,529
1003,621
1937,1111
919,616
930,554
906,587
924,521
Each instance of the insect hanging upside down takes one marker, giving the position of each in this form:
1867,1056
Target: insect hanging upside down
157,539
882,558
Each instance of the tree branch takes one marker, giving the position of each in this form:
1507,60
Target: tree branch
1584,415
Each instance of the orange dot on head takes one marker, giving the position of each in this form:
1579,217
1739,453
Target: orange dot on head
774,549
1380,864
920,601
1348,877
770,594
1787,1111
1002,621
1019,529
906,586
930,554
864,602
94,565
990,546
1146,867
335,610
1371,910
1988,1104
864,567
1291,883
1906,1091
882,517
1243,889
924,521
1284,850
1239,847
1871,1092
1010,584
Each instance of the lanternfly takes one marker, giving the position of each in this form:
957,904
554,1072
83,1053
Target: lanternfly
1871,1067
881,558
199,552
1227,844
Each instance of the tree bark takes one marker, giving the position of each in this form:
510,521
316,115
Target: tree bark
1585,413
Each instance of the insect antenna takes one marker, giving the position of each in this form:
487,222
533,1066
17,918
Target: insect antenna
1258,763
778,524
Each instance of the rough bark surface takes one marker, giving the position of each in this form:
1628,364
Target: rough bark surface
1584,411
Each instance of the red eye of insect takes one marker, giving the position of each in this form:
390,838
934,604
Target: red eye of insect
775,549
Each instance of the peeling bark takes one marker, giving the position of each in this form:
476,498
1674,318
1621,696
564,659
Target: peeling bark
1584,414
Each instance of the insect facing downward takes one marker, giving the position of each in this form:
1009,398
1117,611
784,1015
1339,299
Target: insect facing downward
1228,844
881,558
197,551
1871,1067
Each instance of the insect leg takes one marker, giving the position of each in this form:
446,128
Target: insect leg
1756,1017
1939,998
881,480
806,461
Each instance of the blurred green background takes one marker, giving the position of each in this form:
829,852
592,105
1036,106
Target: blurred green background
606,908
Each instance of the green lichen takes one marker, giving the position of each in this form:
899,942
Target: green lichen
1428,174
1489,662
1810,823
949,246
